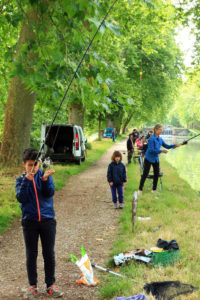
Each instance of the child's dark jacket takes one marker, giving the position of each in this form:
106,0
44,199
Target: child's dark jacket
36,197
116,173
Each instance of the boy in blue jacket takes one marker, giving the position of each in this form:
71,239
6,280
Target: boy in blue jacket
35,190
116,176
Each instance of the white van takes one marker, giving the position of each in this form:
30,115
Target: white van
64,143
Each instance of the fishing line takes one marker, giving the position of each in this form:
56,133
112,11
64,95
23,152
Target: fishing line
72,79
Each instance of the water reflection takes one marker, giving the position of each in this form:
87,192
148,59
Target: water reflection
186,159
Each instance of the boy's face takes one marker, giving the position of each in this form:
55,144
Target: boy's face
117,159
28,165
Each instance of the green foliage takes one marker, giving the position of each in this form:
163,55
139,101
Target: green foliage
136,37
187,106
88,146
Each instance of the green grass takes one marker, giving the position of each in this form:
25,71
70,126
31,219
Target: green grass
177,211
9,206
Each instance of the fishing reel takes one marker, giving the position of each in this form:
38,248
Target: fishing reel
46,163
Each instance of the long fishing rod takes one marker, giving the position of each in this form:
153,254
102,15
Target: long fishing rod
111,272
185,142
72,79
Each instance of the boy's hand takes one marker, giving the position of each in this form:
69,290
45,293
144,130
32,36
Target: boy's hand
47,174
111,183
30,175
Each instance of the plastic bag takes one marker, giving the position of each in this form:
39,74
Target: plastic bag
87,276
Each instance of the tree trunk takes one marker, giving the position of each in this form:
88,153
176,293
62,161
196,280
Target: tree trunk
77,114
99,131
127,120
18,121
20,105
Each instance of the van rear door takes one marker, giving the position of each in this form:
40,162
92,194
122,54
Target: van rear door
77,143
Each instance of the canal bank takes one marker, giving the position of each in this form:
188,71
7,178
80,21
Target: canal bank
176,210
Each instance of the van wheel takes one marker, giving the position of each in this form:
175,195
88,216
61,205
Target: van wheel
78,162
83,158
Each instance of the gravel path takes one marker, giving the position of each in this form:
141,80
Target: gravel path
85,217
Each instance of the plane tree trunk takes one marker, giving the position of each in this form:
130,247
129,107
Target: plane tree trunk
20,104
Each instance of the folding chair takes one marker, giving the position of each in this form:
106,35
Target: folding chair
136,156
150,175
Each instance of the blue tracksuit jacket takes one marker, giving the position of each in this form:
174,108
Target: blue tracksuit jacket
35,196
154,145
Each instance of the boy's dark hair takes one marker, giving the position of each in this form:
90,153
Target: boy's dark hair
116,154
30,154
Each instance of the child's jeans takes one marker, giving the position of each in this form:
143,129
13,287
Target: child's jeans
46,230
117,189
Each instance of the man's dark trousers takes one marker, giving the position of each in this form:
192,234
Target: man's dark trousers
46,230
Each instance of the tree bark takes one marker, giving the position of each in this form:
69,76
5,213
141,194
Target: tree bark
77,114
127,120
20,105
99,129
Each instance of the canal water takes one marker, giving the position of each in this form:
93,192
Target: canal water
186,159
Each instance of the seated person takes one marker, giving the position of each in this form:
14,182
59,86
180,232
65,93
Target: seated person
142,145
140,142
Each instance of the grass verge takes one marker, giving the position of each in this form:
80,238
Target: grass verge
9,206
176,208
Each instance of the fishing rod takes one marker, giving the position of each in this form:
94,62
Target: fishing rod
185,142
72,79
111,272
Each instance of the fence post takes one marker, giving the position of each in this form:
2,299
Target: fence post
134,209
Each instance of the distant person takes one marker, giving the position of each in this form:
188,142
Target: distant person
140,134
151,157
135,134
116,176
149,134
130,147
114,135
35,190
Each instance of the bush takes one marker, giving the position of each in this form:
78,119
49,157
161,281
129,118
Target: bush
88,146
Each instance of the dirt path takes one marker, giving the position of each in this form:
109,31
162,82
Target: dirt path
85,217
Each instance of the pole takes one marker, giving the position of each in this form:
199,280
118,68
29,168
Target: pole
134,209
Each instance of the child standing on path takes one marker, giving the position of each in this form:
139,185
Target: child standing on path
116,176
35,190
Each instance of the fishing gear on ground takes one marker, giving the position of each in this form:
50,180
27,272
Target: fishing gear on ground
87,276
167,290
136,297
141,255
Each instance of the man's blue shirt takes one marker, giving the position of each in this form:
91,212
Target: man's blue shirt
153,150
